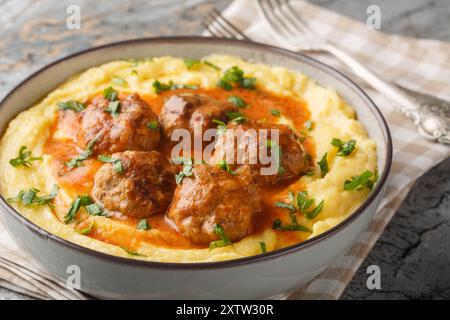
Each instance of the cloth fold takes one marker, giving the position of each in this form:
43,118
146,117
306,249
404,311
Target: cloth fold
420,65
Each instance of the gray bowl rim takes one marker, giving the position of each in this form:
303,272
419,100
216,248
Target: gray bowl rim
240,261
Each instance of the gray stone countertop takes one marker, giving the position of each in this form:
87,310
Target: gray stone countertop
412,252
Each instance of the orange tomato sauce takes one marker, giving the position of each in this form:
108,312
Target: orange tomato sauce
80,180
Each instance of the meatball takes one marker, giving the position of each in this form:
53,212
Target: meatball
128,130
144,187
292,158
211,197
187,110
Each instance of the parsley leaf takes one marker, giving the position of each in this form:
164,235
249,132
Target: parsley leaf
187,168
235,76
361,181
30,197
191,63
209,64
154,125
160,87
143,225
73,105
86,230
262,247
119,81
237,101
78,160
117,163
323,164
110,94
24,158
94,209
221,126
344,148
80,201
224,240
224,166
113,108
237,117
275,112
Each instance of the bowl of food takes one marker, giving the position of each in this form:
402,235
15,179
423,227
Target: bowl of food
101,168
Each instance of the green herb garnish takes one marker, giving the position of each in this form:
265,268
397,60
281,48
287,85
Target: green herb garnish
110,94
187,168
113,108
78,160
143,225
361,181
153,125
132,253
80,201
117,163
275,112
323,164
224,166
224,240
235,76
73,105
209,64
160,87
221,126
87,230
30,197
94,209
237,117
191,63
237,101
24,158
262,247
344,148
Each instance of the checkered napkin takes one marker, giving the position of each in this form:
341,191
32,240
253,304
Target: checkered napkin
421,65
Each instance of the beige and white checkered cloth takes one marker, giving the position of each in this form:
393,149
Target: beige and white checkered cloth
420,65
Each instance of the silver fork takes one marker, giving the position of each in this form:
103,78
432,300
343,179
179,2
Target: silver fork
431,116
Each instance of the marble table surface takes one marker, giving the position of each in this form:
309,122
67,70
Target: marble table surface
412,252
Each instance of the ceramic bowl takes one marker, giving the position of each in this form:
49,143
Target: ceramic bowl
261,276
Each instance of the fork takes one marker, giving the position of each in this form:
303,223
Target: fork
432,120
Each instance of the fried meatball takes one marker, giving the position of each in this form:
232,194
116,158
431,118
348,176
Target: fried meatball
210,197
128,130
145,186
293,161
187,110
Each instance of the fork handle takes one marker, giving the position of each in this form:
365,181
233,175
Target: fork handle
405,102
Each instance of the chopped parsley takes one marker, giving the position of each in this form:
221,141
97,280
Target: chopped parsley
235,76
191,63
86,230
344,148
132,253
143,225
160,87
209,64
30,197
237,117
221,126
262,247
237,101
275,112
304,204
224,240
153,125
323,164
117,163
94,209
362,181
73,105
113,108
110,94
78,160
187,168
224,166
119,81
24,158
80,201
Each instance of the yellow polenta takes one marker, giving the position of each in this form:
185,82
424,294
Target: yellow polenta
332,118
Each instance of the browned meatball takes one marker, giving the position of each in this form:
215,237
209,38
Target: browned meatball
145,186
187,110
128,130
211,197
293,161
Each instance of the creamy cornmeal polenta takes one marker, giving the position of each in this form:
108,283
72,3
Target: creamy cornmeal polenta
91,162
